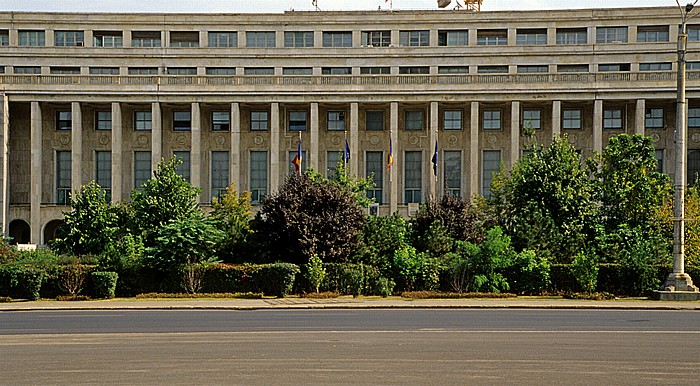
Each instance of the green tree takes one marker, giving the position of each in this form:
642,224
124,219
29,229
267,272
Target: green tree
315,272
380,238
455,214
309,215
546,202
358,186
234,212
91,225
166,197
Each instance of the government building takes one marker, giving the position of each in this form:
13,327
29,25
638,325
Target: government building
105,97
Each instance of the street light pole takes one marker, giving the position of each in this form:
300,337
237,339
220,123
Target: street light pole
678,280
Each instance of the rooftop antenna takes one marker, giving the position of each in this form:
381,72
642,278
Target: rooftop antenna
315,5
471,5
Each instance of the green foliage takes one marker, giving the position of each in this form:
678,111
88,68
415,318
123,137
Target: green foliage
385,287
461,273
456,216
380,238
105,283
165,198
123,252
435,241
692,228
414,270
585,270
358,186
356,279
546,203
71,278
277,279
21,281
528,273
315,273
92,223
234,212
495,254
309,215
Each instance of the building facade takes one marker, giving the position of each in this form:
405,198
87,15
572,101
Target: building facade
105,96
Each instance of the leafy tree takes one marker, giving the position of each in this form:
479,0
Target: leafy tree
315,272
414,270
585,270
166,197
91,225
546,203
436,241
380,238
309,215
233,211
692,228
455,214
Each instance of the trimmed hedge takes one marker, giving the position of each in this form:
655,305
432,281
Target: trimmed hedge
21,282
105,283
356,279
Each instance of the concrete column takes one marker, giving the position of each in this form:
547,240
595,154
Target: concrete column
196,147
126,39
433,135
88,35
393,173
514,132
354,139
512,36
156,136
274,147
556,119
4,159
474,151
117,164
598,126
76,148
313,149
639,115
235,157
35,174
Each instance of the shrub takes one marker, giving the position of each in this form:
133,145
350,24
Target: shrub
71,278
29,280
276,279
456,215
355,279
585,270
315,272
528,273
105,283
385,287
415,270
382,236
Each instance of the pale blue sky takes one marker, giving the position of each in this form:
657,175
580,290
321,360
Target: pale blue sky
234,6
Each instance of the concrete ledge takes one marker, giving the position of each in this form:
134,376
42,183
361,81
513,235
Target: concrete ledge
677,295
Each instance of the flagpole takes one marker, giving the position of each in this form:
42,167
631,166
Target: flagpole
300,151
345,159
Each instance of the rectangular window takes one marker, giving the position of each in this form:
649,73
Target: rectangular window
336,70
572,68
219,173
413,120
659,155
655,66
531,37
182,71
533,69
532,119
260,39
375,70
374,120
4,38
492,69
142,120
145,39
258,175
336,120
259,120
374,168
221,71
616,67
333,158
184,168
103,171
452,119
492,37
103,120
453,38
259,71
612,119
692,66
652,34
453,173
694,117
143,70
220,120
571,119
693,167
298,39
104,70
414,38
654,118
297,71
413,176
492,120
376,38
142,168
292,154
572,36
491,164
184,39
693,32
64,70
27,70
222,39
453,70
182,121
64,120
297,120
68,38
107,39
414,70
31,38
611,34
337,39
63,177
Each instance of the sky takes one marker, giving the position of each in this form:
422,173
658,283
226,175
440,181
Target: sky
277,6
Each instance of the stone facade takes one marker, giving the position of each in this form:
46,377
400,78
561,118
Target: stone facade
104,92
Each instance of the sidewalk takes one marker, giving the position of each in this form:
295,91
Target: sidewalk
345,303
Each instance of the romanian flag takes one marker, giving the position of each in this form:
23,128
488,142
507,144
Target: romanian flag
347,151
298,158
390,158
435,160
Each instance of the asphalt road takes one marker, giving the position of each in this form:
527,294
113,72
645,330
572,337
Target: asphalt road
351,347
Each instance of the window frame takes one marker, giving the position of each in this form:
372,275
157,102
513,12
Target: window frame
651,118
101,120
338,122
337,39
413,179
456,119
414,38
298,39
260,39
611,120
572,118
369,127
256,121
219,123
180,123
145,122
296,123
489,115
222,39
411,119
219,176
63,124
378,38
531,118
374,164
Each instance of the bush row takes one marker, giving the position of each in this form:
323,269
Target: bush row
28,282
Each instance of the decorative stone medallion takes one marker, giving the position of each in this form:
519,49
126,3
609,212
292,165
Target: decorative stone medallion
452,140
696,137
413,140
142,139
655,137
258,140
104,139
572,138
336,140
374,140
181,140
492,139
65,140
219,140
